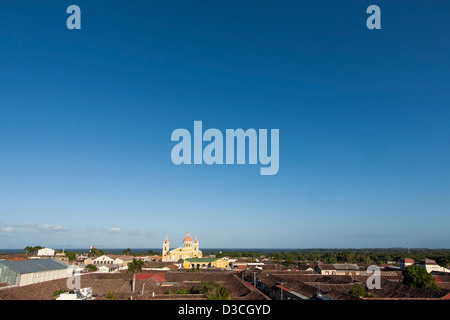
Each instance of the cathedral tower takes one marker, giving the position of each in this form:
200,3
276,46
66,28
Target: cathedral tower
195,247
165,252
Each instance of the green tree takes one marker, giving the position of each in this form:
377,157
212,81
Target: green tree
91,267
32,250
182,291
58,292
220,294
415,276
110,295
359,292
204,287
36,249
93,252
135,267
70,255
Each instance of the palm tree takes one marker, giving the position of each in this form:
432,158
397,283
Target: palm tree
135,267
36,249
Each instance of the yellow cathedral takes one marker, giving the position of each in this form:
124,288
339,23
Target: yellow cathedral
189,249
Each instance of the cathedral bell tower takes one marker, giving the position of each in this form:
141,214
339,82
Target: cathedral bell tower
165,252
196,247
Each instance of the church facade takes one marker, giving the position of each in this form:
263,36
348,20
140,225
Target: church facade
188,250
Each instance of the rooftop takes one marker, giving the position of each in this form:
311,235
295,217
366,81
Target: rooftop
29,266
202,259
339,266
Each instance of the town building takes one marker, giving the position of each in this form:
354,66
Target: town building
108,264
405,262
108,268
431,265
46,252
189,249
21,273
203,263
102,260
77,294
338,269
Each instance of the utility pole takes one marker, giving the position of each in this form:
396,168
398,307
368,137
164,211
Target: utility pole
281,294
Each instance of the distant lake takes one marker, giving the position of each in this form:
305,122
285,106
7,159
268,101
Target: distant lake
144,250
212,250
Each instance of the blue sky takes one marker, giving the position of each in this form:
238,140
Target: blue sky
86,118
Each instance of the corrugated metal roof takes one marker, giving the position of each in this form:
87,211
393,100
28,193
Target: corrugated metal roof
346,266
29,266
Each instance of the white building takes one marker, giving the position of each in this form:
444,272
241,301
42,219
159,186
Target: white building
25,272
338,269
257,265
108,268
106,264
431,265
78,294
46,252
405,262
102,260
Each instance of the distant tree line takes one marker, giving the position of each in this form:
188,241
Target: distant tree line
94,252
376,256
128,252
32,250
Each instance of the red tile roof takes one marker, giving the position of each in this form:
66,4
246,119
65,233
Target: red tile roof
187,238
406,260
158,277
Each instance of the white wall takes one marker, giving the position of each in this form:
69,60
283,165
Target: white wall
37,277
46,252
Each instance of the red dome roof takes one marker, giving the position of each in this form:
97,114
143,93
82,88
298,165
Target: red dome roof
187,238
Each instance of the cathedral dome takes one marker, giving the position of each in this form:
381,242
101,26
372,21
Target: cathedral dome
187,238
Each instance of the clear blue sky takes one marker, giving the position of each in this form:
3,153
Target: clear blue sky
86,118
